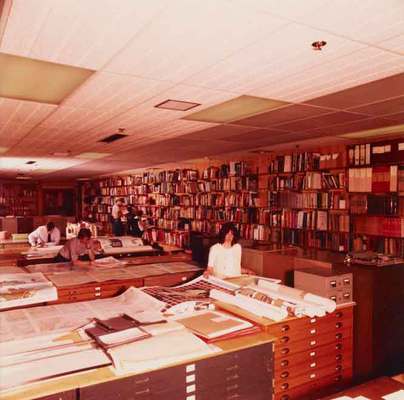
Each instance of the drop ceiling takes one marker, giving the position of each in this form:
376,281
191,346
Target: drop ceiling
209,52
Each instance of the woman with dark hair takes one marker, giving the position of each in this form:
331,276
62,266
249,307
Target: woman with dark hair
134,224
225,256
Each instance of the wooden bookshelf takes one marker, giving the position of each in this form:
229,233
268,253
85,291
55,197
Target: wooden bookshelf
18,199
308,200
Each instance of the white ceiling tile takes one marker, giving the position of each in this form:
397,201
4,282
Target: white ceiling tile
395,44
114,92
362,66
286,52
81,33
368,21
189,36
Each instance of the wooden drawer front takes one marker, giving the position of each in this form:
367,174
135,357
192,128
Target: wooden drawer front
318,388
140,387
70,395
336,351
308,376
285,349
301,327
169,279
295,370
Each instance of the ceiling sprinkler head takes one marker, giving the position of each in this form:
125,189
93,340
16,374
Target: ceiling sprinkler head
318,45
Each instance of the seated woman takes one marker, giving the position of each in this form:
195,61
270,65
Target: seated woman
78,250
225,256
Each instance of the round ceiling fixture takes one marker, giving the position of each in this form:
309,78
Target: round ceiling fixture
318,45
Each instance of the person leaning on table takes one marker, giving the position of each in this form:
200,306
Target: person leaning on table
78,250
225,257
48,233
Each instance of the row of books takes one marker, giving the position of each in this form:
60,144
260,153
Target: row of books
314,220
247,231
324,200
310,180
391,151
316,239
175,238
378,179
379,244
381,204
307,161
379,226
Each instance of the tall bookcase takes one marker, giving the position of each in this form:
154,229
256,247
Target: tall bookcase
176,202
308,200
376,187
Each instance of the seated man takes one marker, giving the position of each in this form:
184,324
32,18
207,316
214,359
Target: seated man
79,250
48,233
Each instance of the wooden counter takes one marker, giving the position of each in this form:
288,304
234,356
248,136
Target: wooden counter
378,293
311,354
242,370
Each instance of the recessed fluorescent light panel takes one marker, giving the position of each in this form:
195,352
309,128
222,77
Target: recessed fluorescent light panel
391,130
113,138
92,156
41,81
177,105
231,110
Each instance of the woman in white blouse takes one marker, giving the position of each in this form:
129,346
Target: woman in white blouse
225,256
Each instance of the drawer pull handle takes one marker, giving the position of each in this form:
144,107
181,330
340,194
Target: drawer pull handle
285,339
338,368
312,376
347,281
284,363
284,386
334,298
338,346
232,387
285,351
347,295
338,336
313,365
338,357
339,325
338,378
313,331
284,374
312,354
285,328
333,284
232,368
313,320
145,380
313,342
339,314
143,391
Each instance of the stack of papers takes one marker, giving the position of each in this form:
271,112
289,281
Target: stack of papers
213,324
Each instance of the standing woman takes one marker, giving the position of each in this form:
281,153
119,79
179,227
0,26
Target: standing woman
225,256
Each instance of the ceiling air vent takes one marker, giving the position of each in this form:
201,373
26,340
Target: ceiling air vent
114,137
177,105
